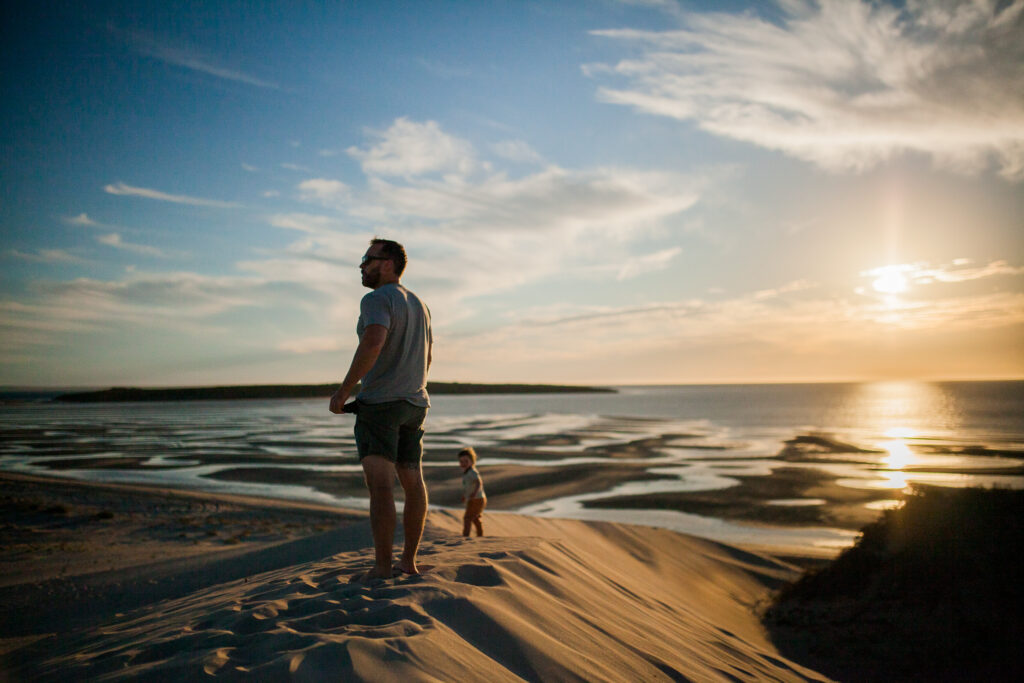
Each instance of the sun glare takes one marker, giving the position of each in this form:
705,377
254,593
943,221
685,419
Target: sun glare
900,433
891,282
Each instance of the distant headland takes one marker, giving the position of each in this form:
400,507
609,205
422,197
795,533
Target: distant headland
302,391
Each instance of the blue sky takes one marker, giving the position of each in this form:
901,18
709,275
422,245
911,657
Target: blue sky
590,191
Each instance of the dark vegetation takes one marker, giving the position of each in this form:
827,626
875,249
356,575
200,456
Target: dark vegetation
933,591
301,391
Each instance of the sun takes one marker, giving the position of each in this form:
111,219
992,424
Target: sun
891,282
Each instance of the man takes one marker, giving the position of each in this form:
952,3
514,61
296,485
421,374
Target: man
392,360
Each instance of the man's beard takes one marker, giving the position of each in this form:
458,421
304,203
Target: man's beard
371,279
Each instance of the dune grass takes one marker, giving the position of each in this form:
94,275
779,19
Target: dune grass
934,590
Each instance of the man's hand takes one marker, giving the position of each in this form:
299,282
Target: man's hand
338,401
370,345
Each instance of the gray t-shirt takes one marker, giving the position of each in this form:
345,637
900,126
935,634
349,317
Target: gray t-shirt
400,373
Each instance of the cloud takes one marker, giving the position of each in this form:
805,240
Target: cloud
798,322
81,219
151,46
844,84
648,263
295,167
549,202
409,148
469,235
518,151
476,234
45,256
121,189
555,221
157,297
114,240
325,191
897,277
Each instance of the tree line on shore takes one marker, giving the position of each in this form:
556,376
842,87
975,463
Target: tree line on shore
265,391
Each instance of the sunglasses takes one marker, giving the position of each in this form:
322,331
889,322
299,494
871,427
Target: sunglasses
366,260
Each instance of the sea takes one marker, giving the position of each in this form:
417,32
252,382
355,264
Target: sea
880,439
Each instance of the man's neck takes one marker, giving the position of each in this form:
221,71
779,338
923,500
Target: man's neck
389,282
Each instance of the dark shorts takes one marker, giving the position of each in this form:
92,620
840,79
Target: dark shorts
393,430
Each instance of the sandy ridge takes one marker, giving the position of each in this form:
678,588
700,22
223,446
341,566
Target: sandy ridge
539,599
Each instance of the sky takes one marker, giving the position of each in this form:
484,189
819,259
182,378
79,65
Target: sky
590,191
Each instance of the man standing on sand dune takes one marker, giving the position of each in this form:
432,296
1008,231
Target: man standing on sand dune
392,360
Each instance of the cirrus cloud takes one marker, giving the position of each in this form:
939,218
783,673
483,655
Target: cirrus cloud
121,189
844,84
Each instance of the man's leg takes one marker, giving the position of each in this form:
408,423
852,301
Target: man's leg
380,481
414,516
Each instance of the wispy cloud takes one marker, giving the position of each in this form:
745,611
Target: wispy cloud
517,150
845,84
81,219
45,256
648,263
114,240
122,189
896,278
187,58
325,191
801,324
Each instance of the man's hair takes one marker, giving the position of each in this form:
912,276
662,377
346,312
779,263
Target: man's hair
394,251
469,453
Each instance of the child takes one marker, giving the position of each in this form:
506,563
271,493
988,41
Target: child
472,492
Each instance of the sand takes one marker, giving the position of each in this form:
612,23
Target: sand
261,590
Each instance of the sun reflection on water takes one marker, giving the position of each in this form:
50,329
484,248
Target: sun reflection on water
899,456
902,410
901,433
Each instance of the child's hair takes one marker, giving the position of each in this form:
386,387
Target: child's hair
469,453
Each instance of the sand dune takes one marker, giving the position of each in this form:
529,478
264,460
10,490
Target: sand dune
537,599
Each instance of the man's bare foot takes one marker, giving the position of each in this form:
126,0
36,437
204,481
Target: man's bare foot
403,567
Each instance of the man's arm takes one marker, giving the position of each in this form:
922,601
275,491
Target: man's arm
370,345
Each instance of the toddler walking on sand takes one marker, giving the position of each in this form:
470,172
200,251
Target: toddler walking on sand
472,492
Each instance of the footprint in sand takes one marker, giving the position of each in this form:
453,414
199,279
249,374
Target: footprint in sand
216,661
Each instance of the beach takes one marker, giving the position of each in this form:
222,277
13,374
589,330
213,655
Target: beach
630,536
126,582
